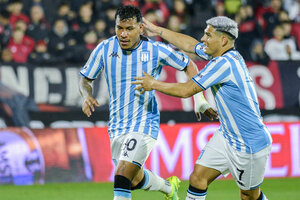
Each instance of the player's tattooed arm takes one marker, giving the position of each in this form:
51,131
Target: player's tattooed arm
86,91
85,87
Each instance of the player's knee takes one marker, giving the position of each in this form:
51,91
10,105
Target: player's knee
198,181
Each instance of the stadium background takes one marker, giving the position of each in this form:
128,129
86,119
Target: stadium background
44,136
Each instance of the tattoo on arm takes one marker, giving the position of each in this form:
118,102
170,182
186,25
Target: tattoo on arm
195,89
86,88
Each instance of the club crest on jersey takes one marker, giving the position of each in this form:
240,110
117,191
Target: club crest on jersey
145,56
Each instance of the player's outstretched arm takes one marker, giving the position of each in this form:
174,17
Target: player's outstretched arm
200,103
182,41
85,88
182,90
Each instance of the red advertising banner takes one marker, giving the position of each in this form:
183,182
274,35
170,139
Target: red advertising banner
179,146
36,156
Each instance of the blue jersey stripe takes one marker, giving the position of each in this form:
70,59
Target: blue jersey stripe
123,90
132,92
114,82
142,96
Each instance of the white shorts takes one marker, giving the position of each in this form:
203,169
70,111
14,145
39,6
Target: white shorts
131,147
247,169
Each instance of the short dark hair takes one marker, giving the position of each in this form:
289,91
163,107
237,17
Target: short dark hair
129,11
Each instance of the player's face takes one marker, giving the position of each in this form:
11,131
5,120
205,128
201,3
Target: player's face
128,32
213,42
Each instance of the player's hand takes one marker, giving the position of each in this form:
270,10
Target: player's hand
88,106
211,114
145,83
149,28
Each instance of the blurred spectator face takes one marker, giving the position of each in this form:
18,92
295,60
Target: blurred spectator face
278,33
16,8
100,25
90,37
151,16
174,23
287,28
111,14
243,13
63,10
220,9
85,12
21,25
275,5
249,10
6,55
179,6
283,16
36,13
18,35
41,47
128,32
4,20
60,27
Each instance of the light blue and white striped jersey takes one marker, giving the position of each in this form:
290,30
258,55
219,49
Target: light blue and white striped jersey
129,110
236,99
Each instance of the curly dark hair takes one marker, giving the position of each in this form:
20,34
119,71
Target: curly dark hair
127,12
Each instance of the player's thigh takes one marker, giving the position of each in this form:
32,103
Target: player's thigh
213,155
248,169
132,147
212,160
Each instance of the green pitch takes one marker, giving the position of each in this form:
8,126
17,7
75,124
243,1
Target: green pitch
275,189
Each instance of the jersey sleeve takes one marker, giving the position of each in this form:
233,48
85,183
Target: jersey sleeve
215,72
95,63
169,56
199,50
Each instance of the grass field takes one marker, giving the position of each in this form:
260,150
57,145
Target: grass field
275,189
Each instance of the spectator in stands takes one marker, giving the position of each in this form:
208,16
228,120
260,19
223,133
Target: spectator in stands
160,7
151,15
64,12
6,56
15,9
293,9
258,53
5,28
103,5
279,48
20,24
271,17
20,45
249,31
38,27
61,40
84,22
180,10
101,30
49,7
82,51
110,19
40,55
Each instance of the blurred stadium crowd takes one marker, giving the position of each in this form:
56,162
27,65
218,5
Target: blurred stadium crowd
56,31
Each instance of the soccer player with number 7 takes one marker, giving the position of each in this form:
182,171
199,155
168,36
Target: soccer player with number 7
242,144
